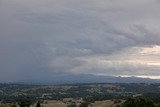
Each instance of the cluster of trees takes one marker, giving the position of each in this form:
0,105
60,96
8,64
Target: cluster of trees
27,103
138,102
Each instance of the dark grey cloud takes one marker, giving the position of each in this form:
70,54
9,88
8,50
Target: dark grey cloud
50,37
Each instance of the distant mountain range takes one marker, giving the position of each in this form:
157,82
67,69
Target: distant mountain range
72,79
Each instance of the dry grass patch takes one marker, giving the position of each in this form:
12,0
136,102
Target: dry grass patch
106,103
54,104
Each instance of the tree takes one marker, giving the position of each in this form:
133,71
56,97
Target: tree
38,104
22,104
25,103
84,104
14,105
71,105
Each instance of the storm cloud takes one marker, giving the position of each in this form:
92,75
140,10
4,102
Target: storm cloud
101,37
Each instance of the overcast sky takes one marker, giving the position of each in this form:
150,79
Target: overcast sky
101,37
